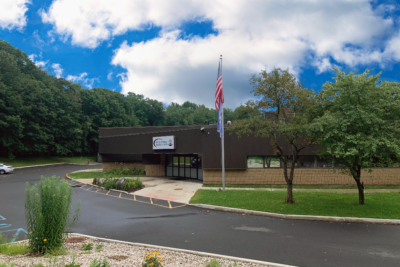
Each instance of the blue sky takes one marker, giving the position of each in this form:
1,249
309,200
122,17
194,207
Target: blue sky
169,50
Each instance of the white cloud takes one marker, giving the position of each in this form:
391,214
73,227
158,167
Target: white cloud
252,35
82,79
39,63
109,76
57,69
12,13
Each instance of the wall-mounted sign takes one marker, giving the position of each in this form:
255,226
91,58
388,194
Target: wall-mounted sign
164,142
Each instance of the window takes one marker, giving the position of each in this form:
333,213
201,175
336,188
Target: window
263,162
272,162
255,162
306,161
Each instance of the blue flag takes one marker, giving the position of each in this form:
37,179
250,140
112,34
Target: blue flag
220,123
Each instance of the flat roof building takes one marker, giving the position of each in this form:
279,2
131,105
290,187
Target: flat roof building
194,152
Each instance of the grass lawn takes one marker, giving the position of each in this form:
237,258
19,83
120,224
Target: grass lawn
378,205
31,161
89,175
301,187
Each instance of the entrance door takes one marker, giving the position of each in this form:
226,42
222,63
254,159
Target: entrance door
184,166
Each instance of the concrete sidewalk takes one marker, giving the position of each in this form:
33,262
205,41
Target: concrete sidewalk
165,188
307,190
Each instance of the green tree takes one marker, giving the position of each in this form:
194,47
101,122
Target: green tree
359,123
285,104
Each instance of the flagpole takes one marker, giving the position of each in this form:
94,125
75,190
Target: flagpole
222,142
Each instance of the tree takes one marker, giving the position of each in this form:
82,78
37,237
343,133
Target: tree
359,123
285,104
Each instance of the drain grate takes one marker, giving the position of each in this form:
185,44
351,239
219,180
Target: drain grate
178,189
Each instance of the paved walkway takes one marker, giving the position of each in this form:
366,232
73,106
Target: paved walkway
307,190
165,188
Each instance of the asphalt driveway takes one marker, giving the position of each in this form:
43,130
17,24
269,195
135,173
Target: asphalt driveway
300,243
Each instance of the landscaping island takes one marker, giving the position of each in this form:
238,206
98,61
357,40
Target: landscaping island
115,254
385,205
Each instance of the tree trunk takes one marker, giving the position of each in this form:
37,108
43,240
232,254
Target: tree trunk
361,199
289,198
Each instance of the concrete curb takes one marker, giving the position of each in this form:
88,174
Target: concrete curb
187,251
346,191
93,185
53,164
300,217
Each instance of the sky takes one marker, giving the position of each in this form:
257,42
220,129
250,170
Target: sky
170,50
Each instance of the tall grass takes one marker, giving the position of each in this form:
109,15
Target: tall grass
48,213
8,248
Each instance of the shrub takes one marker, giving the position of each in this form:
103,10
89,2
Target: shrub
152,259
114,183
123,172
48,209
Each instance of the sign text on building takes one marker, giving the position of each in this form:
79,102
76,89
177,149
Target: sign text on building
164,142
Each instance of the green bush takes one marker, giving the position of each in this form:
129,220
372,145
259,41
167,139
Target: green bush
123,172
48,209
115,183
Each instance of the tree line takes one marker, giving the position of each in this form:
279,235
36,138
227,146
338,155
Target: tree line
41,115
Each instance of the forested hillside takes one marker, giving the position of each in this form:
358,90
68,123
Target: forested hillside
41,115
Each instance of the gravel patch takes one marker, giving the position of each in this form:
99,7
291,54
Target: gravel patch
121,255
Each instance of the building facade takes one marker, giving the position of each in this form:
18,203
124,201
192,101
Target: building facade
194,152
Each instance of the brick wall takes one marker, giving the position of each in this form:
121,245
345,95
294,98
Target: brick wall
156,170
123,165
317,176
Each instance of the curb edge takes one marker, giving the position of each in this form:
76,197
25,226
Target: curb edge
189,251
300,217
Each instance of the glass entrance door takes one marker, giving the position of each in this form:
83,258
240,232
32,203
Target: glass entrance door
184,166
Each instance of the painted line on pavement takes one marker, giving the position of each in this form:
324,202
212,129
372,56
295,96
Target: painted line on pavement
5,225
88,187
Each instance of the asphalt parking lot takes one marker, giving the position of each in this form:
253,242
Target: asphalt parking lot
299,243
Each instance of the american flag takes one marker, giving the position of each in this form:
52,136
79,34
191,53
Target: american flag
219,94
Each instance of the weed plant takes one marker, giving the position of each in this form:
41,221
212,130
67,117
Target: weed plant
72,264
152,259
7,264
48,214
213,263
8,248
99,263
87,246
